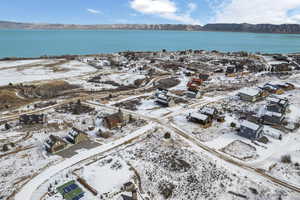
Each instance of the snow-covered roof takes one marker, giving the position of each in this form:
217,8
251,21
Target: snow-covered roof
199,116
162,97
207,110
271,114
273,87
250,91
277,100
162,101
250,125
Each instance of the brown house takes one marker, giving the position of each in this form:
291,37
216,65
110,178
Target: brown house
55,144
114,121
77,136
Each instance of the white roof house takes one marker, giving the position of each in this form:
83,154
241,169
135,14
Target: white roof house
199,116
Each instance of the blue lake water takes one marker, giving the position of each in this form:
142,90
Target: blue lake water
34,43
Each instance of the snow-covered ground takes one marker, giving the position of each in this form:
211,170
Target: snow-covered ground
160,168
38,73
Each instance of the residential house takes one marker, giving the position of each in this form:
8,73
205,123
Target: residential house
250,130
277,105
199,118
164,100
55,144
251,94
273,118
209,111
76,136
193,94
114,120
273,89
32,119
134,196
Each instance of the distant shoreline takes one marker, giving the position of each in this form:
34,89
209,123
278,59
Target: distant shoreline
221,27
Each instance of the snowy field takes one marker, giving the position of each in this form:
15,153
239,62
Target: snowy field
40,72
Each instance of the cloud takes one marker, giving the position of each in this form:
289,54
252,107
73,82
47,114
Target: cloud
258,11
93,11
166,9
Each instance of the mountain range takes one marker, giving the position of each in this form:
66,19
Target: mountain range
256,28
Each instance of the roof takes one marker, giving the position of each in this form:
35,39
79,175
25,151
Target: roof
125,197
162,97
199,116
273,87
273,114
250,125
277,100
207,110
114,118
250,91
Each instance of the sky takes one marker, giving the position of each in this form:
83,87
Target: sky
151,11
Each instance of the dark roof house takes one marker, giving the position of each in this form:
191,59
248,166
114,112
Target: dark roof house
199,118
250,130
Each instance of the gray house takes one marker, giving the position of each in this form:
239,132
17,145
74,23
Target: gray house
277,105
273,118
250,130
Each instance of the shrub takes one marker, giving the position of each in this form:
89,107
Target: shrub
167,135
286,159
232,125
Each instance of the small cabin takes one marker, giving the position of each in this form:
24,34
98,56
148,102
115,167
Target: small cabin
250,130
77,136
199,118
55,144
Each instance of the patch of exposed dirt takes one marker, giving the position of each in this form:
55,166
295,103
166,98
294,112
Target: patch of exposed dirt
167,83
9,99
52,89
